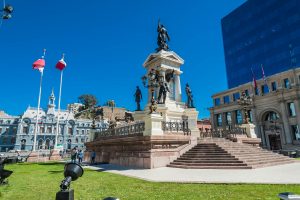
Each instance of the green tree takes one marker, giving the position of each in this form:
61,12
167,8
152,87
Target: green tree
88,100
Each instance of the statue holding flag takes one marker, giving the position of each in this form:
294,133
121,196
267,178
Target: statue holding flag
162,38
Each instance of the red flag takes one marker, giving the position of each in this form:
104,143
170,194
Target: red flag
61,64
253,80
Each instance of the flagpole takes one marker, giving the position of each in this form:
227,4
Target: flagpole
38,110
58,109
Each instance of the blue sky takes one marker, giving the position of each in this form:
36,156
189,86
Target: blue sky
106,43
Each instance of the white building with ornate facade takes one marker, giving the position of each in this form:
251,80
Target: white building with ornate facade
17,132
275,111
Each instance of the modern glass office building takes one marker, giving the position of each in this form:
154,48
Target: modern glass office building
261,32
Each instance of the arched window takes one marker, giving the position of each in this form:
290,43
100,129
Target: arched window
47,144
271,116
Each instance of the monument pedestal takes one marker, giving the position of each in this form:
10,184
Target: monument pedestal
192,115
55,155
35,156
250,130
153,124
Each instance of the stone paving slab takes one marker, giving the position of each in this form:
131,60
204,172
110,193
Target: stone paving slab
280,174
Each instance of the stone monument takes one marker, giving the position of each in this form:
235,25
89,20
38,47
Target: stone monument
166,127
163,70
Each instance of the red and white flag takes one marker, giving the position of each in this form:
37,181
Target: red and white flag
263,74
39,64
61,64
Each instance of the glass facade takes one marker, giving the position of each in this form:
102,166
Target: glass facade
261,32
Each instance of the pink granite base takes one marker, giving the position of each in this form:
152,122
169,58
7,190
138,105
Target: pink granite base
140,151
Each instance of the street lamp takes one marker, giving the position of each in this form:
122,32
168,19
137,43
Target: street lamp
244,101
152,81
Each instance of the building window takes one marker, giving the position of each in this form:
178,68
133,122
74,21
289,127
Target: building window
219,119
42,129
239,118
4,140
77,132
296,132
0,130
87,132
228,118
291,107
286,83
217,102
82,132
236,96
264,89
70,131
274,86
25,129
6,130
49,129
14,130
226,99
250,115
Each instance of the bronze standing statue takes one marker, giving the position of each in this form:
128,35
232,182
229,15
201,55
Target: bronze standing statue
162,38
190,101
138,98
163,89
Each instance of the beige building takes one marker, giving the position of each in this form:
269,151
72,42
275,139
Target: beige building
275,110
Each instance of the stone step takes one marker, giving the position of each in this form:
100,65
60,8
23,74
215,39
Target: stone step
206,151
209,167
212,157
209,164
206,154
208,161
207,158
270,164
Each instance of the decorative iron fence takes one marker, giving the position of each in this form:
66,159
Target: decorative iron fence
176,127
223,133
135,129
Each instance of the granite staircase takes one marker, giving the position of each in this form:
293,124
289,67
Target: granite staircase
219,153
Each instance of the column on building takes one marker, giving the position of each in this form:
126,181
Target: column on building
224,120
265,144
254,121
285,120
212,118
297,109
178,94
233,118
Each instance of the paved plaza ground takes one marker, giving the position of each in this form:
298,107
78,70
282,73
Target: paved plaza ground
281,174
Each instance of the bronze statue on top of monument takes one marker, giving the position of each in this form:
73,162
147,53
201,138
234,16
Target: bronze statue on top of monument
162,38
